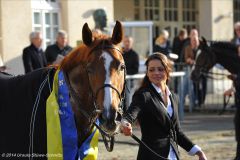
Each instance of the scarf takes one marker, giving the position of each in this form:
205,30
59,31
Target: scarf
61,128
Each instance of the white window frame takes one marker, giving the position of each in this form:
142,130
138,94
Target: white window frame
42,7
167,9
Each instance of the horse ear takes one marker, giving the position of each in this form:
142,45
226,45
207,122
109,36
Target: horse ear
86,35
117,33
204,41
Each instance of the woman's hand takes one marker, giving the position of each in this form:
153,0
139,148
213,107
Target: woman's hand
201,155
126,128
228,92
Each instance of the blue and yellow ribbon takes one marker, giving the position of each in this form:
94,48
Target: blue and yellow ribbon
61,128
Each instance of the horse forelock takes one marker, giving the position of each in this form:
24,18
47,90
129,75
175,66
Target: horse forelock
81,53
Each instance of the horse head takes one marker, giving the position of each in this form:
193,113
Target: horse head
204,60
97,75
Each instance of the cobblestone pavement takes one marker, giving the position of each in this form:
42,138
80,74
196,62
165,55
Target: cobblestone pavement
212,132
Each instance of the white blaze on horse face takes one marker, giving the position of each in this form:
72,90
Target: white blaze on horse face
107,90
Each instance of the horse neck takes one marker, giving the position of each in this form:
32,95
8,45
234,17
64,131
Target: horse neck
228,61
84,124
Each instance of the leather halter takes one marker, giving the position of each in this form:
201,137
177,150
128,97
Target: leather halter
120,95
203,69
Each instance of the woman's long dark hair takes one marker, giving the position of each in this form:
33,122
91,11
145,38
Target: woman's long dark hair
165,62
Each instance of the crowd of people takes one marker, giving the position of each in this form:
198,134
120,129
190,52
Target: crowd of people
34,57
153,104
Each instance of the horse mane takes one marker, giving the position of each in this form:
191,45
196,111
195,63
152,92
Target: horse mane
227,55
224,45
79,54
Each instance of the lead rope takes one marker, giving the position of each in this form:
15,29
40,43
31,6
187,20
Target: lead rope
210,75
147,147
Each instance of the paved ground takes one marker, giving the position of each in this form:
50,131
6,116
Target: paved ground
213,132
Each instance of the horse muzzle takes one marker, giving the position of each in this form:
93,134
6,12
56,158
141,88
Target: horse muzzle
110,121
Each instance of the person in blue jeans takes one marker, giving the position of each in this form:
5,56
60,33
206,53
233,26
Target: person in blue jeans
187,89
189,51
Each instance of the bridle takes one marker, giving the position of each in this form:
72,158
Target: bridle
212,75
120,95
107,138
203,69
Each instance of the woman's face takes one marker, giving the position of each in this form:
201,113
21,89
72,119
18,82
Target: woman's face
156,72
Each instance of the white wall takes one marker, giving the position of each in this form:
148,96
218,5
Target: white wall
75,13
16,26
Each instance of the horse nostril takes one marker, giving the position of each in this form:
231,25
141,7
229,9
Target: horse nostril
108,120
111,125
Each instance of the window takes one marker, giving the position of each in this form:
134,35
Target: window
46,18
150,8
170,10
189,10
236,10
168,14
189,14
50,0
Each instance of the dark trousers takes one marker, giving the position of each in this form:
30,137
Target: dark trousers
200,90
237,131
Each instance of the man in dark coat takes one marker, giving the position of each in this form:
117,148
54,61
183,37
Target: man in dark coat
178,43
236,41
230,92
131,59
56,52
33,57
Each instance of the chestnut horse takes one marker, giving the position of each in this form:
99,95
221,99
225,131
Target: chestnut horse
94,75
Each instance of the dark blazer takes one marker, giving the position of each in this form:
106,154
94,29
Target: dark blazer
131,60
177,47
52,51
33,58
235,40
158,129
166,50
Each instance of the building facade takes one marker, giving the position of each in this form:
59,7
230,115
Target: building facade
213,18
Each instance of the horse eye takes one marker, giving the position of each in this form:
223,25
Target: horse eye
89,69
